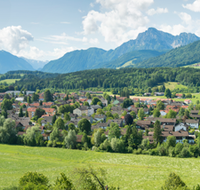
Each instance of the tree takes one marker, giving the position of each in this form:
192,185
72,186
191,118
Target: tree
132,113
160,105
95,100
97,138
171,114
7,130
88,95
156,113
86,103
35,97
116,116
168,93
84,125
127,102
53,119
71,126
55,137
171,141
63,183
100,111
114,131
181,112
128,119
70,140
91,179
26,114
33,136
59,123
157,132
39,112
6,96
6,105
67,117
117,145
34,179
21,112
141,114
48,96
173,182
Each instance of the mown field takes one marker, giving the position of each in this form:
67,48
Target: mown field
9,81
128,171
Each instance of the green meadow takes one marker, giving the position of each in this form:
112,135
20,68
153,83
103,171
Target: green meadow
128,171
9,81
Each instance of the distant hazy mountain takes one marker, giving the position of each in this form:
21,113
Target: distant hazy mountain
182,56
36,64
152,39
10,62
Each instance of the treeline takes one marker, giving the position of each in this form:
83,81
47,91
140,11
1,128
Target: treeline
85,178
140,79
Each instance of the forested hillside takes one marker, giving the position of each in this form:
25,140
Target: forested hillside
182,56
111,78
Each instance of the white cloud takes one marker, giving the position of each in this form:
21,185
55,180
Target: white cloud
157,11
185,17
14,39
195,6
175,29
119,21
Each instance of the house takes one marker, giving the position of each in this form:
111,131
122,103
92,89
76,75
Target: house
90,119
181,126
99,125
187,101
75,122
194,112
95,107
167,127
179,95
88,111
180,136
163,113
48,111
118,121
165,121
101,118
195,116
193,123
46,119
150,138
159,94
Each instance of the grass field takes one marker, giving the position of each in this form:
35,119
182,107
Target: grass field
126,170
195,66
9,81
174,85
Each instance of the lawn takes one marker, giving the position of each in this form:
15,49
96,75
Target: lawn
174,85
9,81
129,171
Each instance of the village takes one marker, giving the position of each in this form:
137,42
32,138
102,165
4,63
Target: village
104,111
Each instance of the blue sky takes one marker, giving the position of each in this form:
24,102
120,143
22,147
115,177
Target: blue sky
46,30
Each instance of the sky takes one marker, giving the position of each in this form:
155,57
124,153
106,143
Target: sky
47,29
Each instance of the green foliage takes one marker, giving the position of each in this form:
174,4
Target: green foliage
173,182
171,114
7,130
39,112
70,140
60,123
132,113
157,132
6,105
84,125
141,114
67,117
156,113
21,112
33,178
63,183
95,100
127,102
114,131
48,96
35,97
168,93
160,105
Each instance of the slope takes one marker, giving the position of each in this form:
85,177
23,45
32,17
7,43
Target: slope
152,39
182,56
10,62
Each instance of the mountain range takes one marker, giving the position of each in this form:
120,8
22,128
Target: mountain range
155,43
10,62
152,48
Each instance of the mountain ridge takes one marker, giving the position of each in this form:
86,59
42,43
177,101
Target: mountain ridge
151,39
